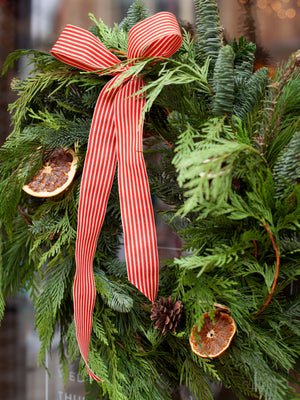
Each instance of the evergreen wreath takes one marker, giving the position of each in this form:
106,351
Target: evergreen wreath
228,142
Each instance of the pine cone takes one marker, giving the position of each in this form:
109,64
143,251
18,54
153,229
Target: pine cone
167,314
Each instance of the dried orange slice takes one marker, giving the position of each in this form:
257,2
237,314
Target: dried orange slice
55,176
219,307
214,337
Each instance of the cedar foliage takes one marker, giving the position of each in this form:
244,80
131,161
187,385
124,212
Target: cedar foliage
227,139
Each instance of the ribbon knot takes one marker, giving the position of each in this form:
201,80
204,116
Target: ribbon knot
116,136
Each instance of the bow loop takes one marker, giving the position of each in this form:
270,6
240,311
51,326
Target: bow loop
156,36
80,48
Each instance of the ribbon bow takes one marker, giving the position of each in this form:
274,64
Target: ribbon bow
115,135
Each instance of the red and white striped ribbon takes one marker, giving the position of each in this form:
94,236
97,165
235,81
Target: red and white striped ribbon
116,135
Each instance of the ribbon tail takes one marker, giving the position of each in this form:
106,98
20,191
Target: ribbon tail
136,206
96,184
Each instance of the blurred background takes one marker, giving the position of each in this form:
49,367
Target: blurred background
274,25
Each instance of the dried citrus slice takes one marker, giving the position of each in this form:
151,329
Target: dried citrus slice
55,176
218,307
214,337
221,308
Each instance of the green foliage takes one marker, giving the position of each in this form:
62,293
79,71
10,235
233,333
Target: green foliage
2,301
250,93
222,151
112,293
112,38
50,303
190,371
287,167
176,73
223,82
280,122
137,12
243,60
208,29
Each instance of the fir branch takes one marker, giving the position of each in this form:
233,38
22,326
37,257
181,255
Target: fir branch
136,13
286,79
250,93
223,79
287,168
115,267
56,131
244,59
208,29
